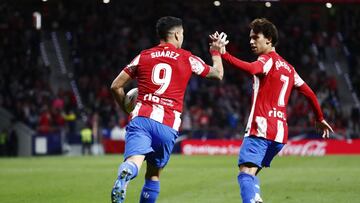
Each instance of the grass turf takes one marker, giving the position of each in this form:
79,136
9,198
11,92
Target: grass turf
187,179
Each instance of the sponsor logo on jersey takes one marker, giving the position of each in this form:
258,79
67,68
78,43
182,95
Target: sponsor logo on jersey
276,114
158,100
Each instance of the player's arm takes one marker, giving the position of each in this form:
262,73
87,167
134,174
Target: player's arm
126,75
217,70
321,124
117,87
252,68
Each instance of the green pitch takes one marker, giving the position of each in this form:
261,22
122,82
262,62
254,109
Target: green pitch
187,179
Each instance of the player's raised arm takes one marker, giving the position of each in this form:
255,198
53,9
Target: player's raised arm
305,90
117,87
217,70
219,45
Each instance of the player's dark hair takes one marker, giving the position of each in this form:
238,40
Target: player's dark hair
165,24
267,28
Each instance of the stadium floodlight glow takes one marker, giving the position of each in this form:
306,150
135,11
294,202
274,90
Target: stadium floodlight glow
106,1
217,3
268,4
37,20
328,5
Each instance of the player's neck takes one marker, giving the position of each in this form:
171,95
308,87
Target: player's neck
272,49
169,42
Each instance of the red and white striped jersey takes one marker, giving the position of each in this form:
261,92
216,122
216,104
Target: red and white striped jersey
163,73
273,80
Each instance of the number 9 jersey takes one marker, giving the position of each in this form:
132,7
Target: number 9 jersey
163,73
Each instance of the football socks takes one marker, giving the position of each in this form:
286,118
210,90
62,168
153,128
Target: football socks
247,185
150,191
129,166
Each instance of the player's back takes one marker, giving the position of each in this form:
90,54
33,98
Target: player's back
163,73
271,95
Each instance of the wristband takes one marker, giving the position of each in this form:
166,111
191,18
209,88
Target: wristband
214,53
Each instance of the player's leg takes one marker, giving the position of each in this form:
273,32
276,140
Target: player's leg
151,188
137,144
251,155
272,150
163,140
127,171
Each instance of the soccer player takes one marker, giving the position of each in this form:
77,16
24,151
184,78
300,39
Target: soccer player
162,73
273,80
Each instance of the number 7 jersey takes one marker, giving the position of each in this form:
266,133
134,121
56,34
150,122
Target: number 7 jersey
274,79
163,73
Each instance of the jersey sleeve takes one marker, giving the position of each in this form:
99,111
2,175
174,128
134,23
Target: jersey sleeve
198,66
261,66
305,90
131,68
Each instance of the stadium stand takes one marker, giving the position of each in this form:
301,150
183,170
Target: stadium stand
100,39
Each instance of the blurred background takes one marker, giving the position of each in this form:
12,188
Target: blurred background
58,59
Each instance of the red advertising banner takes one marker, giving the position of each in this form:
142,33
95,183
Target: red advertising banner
321,147
113,146
298,148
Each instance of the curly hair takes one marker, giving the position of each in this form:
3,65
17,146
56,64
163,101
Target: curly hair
267,28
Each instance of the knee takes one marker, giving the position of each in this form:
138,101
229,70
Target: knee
152,172
248,169
152,175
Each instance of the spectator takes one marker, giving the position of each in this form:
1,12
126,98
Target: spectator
86,140
12,143
3,142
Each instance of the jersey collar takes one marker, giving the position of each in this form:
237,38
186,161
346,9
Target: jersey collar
167,45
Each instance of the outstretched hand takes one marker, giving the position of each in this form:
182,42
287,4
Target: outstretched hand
325,128
219,42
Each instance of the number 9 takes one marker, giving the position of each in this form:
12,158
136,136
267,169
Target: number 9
163,81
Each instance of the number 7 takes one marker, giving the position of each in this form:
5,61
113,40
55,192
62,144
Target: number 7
285,80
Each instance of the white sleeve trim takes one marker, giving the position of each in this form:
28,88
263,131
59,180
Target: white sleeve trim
297,80
135,62
267,66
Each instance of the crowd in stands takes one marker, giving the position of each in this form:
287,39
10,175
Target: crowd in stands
351,36
25,88
103,38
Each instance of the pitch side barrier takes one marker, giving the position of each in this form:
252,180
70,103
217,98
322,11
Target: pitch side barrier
308,147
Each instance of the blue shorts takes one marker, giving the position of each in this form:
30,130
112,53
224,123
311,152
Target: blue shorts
148,137
258,151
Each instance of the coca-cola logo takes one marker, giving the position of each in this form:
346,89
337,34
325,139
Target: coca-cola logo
310,148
